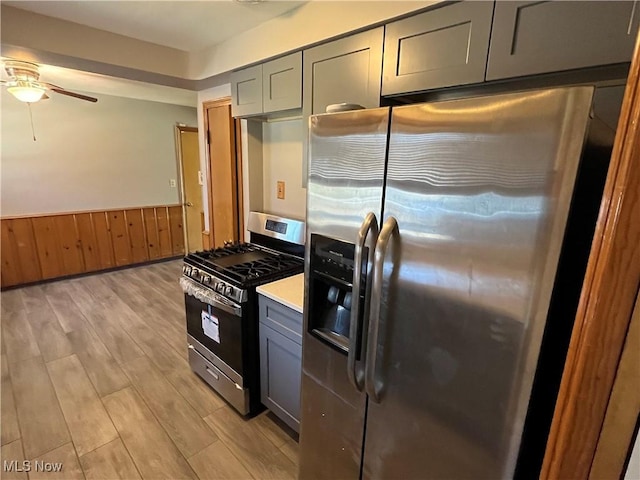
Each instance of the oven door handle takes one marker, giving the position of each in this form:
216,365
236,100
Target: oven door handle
209,297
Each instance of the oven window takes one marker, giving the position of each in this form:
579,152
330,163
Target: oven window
219,331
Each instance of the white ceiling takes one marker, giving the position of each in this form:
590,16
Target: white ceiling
185,25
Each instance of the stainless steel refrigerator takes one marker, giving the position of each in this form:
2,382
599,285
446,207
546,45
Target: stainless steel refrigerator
434,237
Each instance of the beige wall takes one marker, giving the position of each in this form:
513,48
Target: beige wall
112,154
282,161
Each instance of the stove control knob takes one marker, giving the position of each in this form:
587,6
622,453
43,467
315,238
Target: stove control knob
204,278
220,287
186,269
228,290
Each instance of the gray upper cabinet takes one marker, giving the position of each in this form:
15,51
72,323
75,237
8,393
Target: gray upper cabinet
348,70
271,87
282,83
343,71
439,48
539,37
246,92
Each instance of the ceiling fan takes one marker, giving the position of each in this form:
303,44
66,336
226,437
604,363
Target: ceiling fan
25,84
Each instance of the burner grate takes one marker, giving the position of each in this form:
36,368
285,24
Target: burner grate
248,271
226,251
247,265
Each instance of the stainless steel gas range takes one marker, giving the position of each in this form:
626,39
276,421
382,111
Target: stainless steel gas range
222,305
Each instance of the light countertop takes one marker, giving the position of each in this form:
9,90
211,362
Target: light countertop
288,291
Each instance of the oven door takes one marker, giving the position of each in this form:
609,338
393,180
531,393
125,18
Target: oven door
215,323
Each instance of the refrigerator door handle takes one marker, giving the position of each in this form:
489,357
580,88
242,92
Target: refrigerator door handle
356,376
373,383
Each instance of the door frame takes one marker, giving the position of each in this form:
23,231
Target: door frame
236,132
181,192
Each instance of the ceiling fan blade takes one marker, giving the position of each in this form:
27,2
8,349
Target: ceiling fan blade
62,91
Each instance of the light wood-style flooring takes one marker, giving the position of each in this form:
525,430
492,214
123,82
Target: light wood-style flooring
95,375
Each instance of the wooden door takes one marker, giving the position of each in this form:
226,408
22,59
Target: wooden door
224,179
191,189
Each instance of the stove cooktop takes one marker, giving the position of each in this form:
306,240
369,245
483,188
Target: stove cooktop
246,265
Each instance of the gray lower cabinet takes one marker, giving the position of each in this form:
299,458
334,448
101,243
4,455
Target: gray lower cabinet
280,360
535,37
347,70
439,48
271,87
246,92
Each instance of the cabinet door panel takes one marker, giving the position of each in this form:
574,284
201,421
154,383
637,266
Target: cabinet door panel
539,37
443,47
344,71
282,83
348,70
246,92
280,370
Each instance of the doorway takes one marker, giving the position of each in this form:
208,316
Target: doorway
224,175
191,181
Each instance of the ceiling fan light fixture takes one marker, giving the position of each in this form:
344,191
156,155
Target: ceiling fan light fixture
26,93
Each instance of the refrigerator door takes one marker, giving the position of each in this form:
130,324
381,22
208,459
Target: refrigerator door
346,174
480,189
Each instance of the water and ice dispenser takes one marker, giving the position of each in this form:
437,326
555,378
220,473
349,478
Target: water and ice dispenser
330,290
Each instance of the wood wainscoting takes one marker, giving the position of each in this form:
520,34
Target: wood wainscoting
43,247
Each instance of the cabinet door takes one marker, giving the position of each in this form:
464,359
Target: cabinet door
282,83
280,373
348,70
442,47
539,37
246,92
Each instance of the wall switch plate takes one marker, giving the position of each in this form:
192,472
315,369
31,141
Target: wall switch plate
200,178
172,182
280,190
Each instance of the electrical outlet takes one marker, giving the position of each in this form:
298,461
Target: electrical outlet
280,190
200,178
172,182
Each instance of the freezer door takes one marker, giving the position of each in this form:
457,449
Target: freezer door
346,174
480,189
